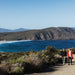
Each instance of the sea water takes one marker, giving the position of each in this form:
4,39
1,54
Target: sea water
23,46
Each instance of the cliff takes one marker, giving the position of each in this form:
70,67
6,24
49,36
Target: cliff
53,33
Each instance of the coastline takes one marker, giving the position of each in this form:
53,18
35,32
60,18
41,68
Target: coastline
1,42
27,45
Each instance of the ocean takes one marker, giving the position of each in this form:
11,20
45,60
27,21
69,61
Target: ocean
23,46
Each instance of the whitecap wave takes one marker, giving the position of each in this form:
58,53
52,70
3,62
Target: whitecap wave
2,42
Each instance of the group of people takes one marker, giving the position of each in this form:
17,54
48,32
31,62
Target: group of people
68,56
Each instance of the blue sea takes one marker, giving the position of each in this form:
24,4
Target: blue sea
23,46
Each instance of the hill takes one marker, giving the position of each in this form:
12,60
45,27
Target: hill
9,30
53,33
5,30
73,28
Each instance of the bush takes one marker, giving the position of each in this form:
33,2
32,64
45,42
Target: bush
20,60
18,71
34,63
73,50
21,63
50,51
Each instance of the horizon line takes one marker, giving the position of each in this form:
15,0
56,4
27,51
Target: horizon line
36,28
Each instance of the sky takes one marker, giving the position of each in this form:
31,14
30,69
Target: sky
37,14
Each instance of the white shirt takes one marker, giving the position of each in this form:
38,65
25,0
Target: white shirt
69,53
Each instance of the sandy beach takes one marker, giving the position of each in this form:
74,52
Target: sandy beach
2,41
60,70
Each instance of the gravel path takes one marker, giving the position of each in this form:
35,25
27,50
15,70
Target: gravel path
60,70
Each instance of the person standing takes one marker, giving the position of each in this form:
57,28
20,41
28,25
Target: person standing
64,54
70,56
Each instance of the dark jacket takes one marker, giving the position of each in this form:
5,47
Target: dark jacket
64,53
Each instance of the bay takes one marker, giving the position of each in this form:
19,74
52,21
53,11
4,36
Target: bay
23,46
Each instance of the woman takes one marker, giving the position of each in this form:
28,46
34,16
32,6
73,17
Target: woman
70,56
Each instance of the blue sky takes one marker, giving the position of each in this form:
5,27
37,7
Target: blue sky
37,14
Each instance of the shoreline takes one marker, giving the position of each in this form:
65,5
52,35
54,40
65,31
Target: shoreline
1,42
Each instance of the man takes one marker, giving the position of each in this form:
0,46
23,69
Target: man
64,54
70,56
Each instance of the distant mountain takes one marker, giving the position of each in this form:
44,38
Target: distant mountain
16,30
53,33
5,30
73,28
20,29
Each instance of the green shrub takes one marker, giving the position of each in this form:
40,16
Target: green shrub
50,51
21,63
12,61
73,50
20,60
18,71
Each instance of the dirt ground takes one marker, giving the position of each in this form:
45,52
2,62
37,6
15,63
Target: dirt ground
59,70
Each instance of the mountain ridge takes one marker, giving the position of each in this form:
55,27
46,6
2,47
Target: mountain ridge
52,33
14,30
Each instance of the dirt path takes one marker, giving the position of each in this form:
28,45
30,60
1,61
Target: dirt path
60,70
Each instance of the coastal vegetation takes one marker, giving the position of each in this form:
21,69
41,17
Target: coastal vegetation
29,62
